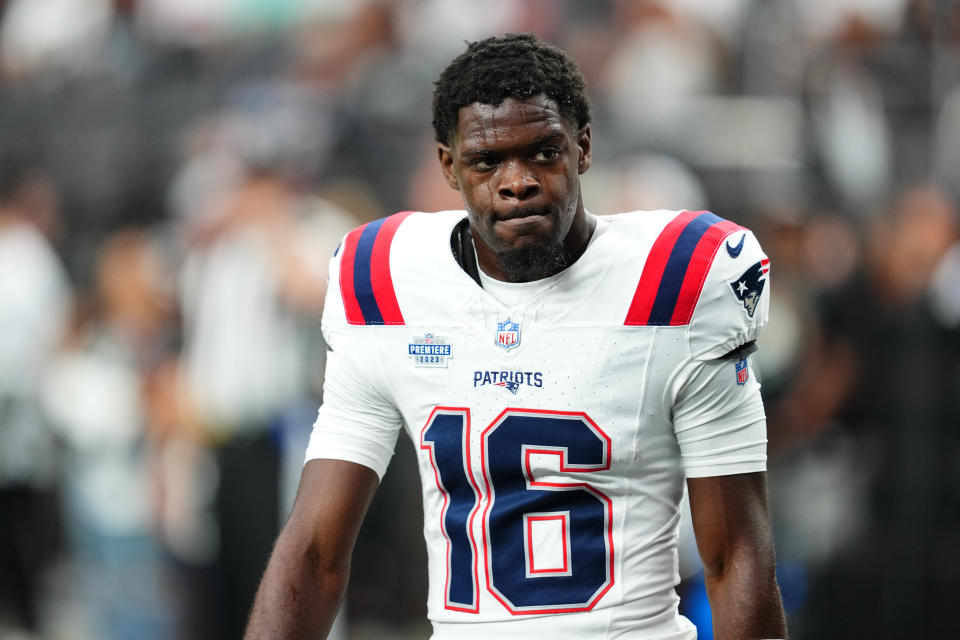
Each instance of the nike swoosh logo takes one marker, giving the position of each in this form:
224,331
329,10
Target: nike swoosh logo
735,251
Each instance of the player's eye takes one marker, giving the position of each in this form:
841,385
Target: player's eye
547,154
483,164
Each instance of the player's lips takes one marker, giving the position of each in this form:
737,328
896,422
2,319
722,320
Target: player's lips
523,212
521,223
526,220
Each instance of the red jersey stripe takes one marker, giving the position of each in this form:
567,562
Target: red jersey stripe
347,291
697,270
380,278
646,293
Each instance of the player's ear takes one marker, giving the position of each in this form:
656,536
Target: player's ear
583,144
445,154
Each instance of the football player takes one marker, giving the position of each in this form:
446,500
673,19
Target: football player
561,375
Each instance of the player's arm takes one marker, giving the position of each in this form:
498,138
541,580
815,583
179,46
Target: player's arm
732,528
350,447
308,571
349,450
721,430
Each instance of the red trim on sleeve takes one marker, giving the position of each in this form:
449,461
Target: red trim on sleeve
646,293
380,278
351,306
698,268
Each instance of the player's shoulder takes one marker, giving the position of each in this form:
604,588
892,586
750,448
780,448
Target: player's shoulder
381,267
403,231
733,305
701,271
668,224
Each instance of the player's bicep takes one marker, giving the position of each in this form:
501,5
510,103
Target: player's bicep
331,502
718,418
355,423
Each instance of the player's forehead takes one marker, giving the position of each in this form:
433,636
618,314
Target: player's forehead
510,122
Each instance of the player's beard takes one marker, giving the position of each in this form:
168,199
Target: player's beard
533,262
543,258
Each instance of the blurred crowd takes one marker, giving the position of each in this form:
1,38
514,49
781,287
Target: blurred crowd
175,175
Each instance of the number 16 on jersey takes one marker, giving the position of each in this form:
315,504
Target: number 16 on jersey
548,545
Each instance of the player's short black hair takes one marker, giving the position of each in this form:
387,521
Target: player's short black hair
516,65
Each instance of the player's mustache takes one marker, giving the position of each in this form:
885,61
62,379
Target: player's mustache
523,212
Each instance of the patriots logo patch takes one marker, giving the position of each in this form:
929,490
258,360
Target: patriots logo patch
509,380
749,286
509,385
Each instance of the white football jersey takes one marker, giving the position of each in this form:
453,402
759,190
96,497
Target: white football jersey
554,435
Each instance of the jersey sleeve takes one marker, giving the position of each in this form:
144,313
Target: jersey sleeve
717,410
734,302
718,418
357,421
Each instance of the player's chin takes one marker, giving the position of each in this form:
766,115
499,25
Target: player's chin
532,259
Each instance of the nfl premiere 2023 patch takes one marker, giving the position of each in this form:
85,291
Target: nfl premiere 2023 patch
749,286
429,350
508,334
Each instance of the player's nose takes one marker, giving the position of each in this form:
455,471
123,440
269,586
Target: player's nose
518,181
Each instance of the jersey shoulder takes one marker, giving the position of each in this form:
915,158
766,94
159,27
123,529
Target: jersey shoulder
701,271
734,304
658,268
381,269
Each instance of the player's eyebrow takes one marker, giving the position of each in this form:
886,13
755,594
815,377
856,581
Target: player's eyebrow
552,137
479,153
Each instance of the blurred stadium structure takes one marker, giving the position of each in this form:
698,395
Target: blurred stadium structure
175,175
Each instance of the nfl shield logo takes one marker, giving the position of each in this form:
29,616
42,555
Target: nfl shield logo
742,372
508,334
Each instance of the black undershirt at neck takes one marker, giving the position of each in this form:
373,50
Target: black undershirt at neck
461,243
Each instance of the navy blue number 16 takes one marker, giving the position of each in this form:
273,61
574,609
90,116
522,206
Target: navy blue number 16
546,534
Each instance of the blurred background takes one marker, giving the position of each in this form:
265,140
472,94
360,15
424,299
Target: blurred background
174,176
